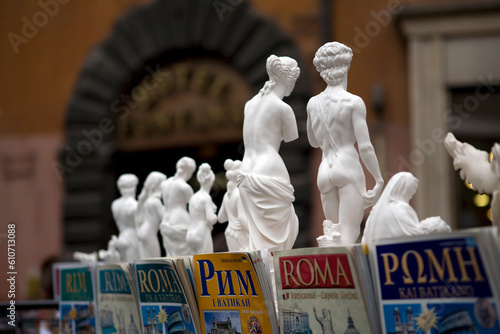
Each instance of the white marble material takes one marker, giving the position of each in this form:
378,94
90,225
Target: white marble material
336,122
111,254
475,167
123,209
263,181
231,211
393,215
150,212
176,193
331,234
202,213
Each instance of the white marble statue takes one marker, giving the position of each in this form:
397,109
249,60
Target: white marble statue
202,213
150,212
476,168
176,193
231,211
111,254
263,180
331,234
393,215
123,209
88,258
336,122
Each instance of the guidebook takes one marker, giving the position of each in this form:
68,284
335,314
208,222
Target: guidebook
230,296
444,283
117,300
165,307
318,291
76,293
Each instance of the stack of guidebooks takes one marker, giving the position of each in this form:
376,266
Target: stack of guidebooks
447,283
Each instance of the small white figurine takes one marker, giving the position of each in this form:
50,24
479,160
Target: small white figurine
87,258
433,225
150,211
336,121
202,213
331,234
476,168
111,254
105,255
123,209
263,181
393,216
176,193
231,210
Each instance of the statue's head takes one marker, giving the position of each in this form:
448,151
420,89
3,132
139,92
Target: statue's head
205,176
332,61
127,184
283,70
185,167
402,186
154,180
232,167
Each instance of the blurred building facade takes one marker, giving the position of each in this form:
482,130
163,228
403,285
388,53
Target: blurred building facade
92,89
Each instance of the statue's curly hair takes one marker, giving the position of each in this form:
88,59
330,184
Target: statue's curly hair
332,61
280,69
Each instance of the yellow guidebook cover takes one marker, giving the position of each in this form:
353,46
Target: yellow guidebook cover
229,293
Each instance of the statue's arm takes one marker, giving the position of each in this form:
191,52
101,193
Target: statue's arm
310,131
289,125
210,212
222,216
187,192
159,209
366,150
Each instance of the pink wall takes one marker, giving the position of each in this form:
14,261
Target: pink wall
30,197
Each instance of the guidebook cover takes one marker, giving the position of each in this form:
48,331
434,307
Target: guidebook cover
230,297
77,298
116,300
163,303
436,284
318,291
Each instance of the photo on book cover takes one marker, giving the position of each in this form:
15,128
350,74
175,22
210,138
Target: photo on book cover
222,322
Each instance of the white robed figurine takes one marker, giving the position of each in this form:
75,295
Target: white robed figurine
150,211
476,168
263,181
123,209
336,121
176,193
393,215
231,210
202,213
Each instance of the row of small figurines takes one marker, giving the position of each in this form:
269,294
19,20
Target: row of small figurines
184,218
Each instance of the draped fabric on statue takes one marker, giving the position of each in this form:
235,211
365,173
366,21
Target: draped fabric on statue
176,235
267,201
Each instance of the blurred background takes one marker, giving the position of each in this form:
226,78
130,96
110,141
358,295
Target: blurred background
93,89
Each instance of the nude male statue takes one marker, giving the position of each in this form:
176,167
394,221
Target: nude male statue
336,121
176,193
263,179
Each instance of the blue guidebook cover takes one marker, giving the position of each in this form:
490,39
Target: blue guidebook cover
77,304
163,304
436,284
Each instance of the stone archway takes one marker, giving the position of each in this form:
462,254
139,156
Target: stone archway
145,39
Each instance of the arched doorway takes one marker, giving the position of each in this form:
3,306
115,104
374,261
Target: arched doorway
170,80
